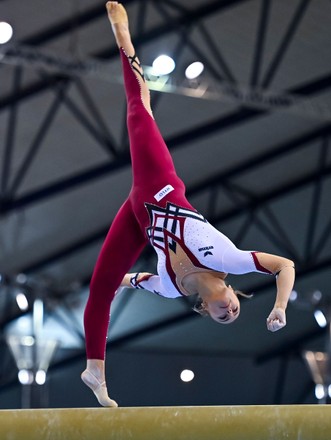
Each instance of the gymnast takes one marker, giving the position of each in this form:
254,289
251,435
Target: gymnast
194,258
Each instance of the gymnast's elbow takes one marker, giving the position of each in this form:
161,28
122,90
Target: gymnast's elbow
274,263
283,263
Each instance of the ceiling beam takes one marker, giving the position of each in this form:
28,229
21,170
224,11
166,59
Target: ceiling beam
176,141
84,18
282,190
250,164
261,159
68,25
72,23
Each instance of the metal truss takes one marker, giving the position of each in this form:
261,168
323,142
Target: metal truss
97,128
206,88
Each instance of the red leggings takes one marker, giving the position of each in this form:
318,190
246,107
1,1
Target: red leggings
152,169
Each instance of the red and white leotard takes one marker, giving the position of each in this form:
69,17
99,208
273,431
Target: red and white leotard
185,243
157,211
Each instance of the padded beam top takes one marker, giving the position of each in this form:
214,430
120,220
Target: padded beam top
304,422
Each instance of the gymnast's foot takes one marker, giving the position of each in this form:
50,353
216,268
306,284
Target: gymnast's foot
120,25
119,22
99,388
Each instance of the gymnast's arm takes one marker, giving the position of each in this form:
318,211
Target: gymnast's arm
284,271
143,280
129,277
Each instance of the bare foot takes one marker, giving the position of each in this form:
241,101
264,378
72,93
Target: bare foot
120,25
119,22
117,13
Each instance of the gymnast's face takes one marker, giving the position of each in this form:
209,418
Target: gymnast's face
226,308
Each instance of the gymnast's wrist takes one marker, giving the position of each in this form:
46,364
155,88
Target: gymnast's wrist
134,282
280,305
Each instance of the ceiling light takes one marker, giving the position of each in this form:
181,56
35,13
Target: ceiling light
187,375
40,377
319,391
25,377
320,318
22,301
6,32
163,65
194,70
27,341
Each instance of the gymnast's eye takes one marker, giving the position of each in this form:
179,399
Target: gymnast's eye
223,318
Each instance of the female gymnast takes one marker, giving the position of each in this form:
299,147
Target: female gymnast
193,257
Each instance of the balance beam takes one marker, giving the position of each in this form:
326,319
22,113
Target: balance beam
304,422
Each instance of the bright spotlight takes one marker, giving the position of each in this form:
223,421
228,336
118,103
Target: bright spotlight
25,377
22,301
194,70
28,341
319,391
163,65
6,32
187,375
320,318
40,377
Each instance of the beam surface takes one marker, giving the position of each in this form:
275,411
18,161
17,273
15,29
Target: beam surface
290,422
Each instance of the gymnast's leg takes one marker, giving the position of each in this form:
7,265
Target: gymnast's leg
120,250
152,164
149,153
120,25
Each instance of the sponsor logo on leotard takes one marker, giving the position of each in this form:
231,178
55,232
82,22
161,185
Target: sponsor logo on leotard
206,250
164,191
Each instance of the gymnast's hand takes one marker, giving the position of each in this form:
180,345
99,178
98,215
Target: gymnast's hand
276,320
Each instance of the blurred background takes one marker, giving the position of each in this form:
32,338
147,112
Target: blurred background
245,108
